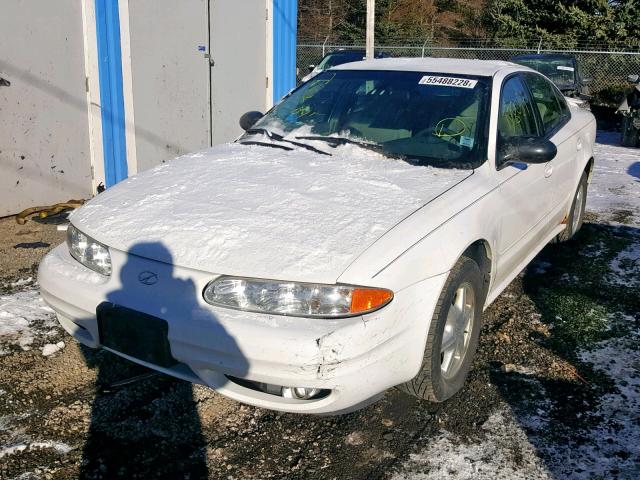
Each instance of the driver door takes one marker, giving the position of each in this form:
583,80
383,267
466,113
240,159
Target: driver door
524,189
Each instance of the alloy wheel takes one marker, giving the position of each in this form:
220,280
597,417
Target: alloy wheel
457,330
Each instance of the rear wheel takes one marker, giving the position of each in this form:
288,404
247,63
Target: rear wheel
453,335
576,214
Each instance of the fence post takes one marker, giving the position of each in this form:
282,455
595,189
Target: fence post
424,46
371,21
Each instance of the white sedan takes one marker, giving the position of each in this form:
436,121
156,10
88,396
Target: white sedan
347,243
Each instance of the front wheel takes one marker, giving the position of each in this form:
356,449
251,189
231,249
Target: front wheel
453,335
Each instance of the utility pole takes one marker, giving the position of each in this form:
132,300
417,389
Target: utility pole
371,22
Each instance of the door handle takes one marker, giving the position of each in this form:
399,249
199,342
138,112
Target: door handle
548,170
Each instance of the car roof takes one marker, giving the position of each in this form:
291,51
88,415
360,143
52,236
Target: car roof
483,68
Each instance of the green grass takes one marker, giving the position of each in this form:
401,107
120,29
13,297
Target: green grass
574,295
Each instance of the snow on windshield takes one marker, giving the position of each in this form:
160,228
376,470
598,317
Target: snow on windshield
436,119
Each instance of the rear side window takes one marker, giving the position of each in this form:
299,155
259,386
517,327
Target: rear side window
552,109
563,104
516,117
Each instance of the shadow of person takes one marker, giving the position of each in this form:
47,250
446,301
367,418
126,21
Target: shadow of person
143,424
634,170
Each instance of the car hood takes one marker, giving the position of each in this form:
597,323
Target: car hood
264,212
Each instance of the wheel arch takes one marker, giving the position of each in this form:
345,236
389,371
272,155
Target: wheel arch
588,169
480,252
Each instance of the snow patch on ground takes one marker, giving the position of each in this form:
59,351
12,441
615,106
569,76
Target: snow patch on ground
59,447
625,267
611,449
23,317
19,283
51,348
616,441
515,447
615,185
503,454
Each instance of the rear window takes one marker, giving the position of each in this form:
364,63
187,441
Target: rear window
560,71
335,59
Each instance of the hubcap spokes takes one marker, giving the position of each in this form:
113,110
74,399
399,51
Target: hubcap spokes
457,330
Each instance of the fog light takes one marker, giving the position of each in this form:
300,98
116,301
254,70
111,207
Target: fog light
299,393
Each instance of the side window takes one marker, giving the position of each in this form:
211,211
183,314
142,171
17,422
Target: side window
564,108
515,117
552,110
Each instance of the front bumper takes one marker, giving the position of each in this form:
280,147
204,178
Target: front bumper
356,358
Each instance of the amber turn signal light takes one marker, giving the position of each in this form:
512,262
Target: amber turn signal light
364,300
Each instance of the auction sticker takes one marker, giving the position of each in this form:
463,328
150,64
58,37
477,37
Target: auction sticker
447,81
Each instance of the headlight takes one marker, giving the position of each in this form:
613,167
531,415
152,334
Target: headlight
87,251
293,298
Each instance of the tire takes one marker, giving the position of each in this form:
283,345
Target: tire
576,214
630,136
443,373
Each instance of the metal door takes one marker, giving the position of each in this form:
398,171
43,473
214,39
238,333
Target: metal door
169,42
239,71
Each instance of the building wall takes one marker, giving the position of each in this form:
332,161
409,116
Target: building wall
102,89
44,140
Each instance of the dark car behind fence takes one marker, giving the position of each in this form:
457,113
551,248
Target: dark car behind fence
608,69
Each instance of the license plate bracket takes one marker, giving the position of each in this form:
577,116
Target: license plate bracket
134,333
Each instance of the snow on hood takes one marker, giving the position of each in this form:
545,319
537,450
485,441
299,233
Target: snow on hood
264,212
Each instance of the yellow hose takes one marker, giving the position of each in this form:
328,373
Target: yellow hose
45,211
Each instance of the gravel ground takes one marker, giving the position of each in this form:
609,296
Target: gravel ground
554,392
22,246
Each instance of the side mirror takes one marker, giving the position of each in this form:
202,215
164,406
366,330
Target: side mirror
526,150
249,119
311,67
587,81
633,78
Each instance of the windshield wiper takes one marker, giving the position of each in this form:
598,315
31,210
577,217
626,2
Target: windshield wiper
280,138
266,144
335,141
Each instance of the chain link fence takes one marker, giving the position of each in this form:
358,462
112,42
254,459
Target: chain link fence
608,69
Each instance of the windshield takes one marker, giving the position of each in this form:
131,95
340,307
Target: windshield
334,59
426,118
560,71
